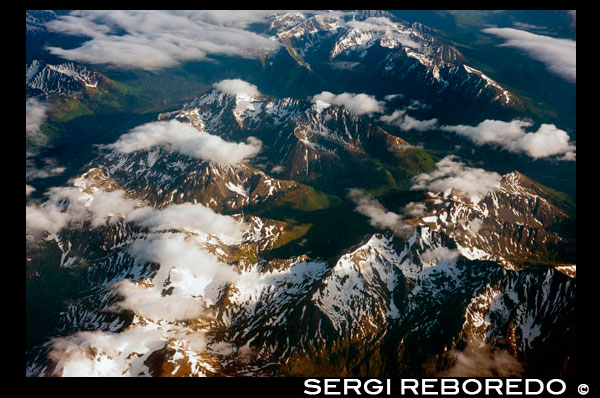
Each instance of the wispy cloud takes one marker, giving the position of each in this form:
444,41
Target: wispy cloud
547,141
358,104
378,215
414,209
50,168
401,119
186,139
559,55
390,97
573,15
35,116
438,256
155,39
483,360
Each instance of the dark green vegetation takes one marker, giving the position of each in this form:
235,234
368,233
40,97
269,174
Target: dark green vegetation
76,145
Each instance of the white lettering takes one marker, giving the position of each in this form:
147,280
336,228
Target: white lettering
377,390
454,387
564,386
312,383
466,391
528,390
355,387
413,388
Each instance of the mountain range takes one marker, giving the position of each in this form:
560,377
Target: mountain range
238,233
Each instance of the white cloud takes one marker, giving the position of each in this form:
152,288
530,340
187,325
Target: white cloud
237,87
192,217
390,97
29,190
483,360
547,141
154,39
186,139
439,256
474,227
359,104
451,175
344,65
416,105
381,24
192,274
400,119
378,215
149,303
559,55
230,18
45,218
114,354
34,173
67,205
528,27
50,168
414,209
35,116
109,206
71,205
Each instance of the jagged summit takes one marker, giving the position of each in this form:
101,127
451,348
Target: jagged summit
66,79
391,48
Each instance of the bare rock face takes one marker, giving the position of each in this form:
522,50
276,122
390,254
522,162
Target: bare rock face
69,79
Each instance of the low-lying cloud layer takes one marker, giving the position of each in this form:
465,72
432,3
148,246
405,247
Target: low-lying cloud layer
559,55
66,205
186,139
190,271
155,39
483,360
358,104
400,119
378,215
415,209
547,141
453,176
192,217
187,282
439,256
35,116
116,352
